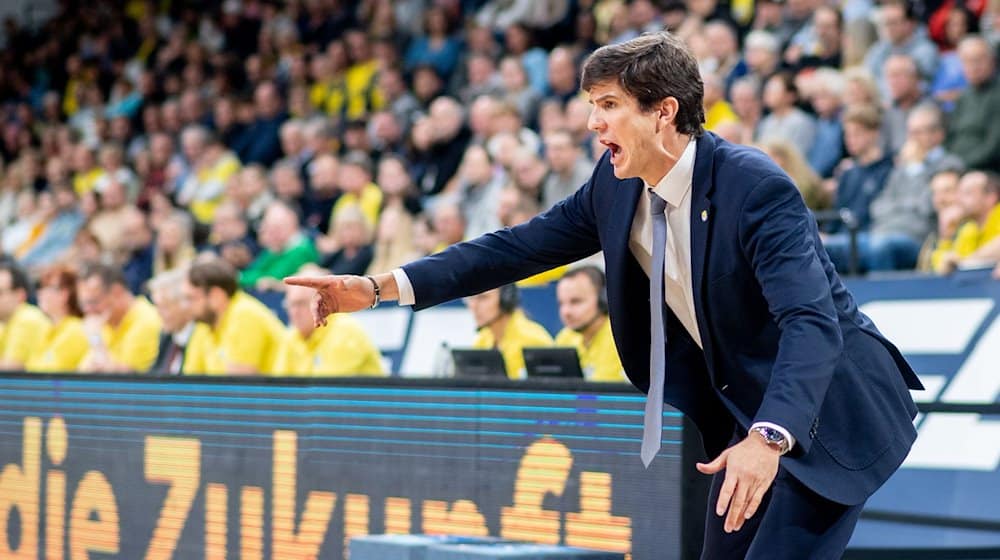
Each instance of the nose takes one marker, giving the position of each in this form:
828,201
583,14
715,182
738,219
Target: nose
594,121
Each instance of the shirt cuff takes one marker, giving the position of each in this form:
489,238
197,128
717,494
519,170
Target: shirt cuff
406,295
784,432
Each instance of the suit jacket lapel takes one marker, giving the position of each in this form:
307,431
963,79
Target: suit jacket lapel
622,213
701,218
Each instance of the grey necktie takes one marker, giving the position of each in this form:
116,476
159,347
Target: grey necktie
652,427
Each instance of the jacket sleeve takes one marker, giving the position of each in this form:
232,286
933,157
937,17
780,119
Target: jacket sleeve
778,237
564,234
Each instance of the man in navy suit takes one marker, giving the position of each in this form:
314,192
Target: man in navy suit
800,400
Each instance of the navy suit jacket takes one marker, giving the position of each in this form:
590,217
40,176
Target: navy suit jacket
784,341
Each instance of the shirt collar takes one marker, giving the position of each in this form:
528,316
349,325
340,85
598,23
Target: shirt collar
676,184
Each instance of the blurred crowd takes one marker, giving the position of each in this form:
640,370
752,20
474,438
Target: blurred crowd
144,141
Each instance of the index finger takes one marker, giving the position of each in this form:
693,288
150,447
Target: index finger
306,281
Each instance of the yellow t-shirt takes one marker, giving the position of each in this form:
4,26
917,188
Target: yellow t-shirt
719,113
969,238
362,95
370,203
521,332
215,178
136,340
248,335
63,350
341,348
85,182
600,360
24,334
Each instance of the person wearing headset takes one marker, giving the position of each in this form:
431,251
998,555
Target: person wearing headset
583,310
503,325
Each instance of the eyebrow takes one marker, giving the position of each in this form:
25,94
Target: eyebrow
603,97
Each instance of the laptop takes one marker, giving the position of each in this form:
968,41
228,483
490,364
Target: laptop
471,362
552,361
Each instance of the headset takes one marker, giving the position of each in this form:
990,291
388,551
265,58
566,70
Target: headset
510,298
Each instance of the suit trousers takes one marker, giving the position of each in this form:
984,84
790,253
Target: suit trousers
792,522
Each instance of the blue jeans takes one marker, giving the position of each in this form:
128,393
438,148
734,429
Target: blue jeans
876,251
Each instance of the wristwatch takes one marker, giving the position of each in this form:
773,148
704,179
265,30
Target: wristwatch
773,438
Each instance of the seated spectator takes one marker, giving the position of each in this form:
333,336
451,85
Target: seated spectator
977,241
167,292
949,81
517,91
108,222
212,166
569,167
355,181
790,159
174,246
745,96
341,347
250,191
66,344
502,324
324,175
137,253
447,138
236,334
437,46
861,183
24,329
583,310
122,328
718,111
352,239
826,96
972,135
901,33
260,142
286,248
786,121
869,166
822,47
905,92
944,188
62,220
449,225
903,213
113,168
230,236
478,187
394,241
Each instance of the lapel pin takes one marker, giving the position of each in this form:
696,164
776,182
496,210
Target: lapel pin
704,215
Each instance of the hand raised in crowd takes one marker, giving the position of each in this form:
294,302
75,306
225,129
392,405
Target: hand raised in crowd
336,294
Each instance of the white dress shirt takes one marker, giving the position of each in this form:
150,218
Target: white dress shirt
675,188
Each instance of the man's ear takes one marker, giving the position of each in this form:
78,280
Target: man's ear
667,110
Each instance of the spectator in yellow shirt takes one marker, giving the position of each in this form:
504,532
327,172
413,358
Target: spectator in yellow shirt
583,309
503,325
122,328
23,327
65,347
236,334
977,240
355,180
339,348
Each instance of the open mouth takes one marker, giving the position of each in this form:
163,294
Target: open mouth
616,150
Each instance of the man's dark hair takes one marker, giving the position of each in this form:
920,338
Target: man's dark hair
650,68
109,275
213,272
19,279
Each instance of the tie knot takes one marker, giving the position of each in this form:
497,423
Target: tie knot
656,204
